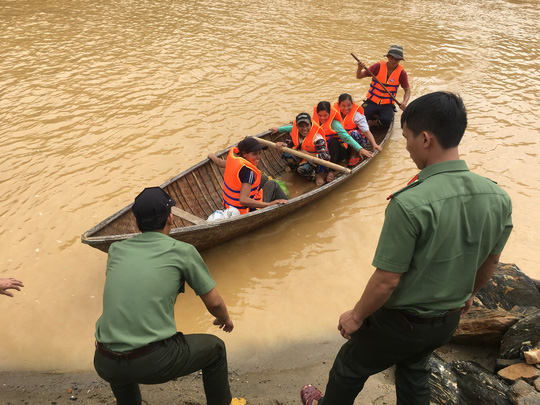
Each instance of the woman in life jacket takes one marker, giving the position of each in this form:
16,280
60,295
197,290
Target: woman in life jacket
244,186
308,137
337,139
355,123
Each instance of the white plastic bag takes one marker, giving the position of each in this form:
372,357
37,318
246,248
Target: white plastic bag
223,214
216,216
231,212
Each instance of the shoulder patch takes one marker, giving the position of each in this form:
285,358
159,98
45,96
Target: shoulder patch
407,187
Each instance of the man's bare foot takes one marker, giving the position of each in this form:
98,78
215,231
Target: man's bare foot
330,176
320,179
287,169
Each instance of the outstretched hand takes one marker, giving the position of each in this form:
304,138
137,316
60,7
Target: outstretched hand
226,325
9,284
365,153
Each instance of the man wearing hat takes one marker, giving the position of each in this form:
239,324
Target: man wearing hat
244,186
306,136
379,104
136,337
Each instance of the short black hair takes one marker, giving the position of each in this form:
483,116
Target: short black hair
153,226
441,113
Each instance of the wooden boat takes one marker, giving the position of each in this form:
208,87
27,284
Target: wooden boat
198,193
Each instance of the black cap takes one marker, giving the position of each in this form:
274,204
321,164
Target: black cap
152,207
303,117
249,144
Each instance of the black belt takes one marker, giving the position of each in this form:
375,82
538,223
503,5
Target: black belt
133,354
424,320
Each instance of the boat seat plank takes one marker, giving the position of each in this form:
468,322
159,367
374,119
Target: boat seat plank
187,216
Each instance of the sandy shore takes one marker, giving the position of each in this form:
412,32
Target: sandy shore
273,377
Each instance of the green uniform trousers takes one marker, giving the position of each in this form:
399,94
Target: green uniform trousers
179,356
387,338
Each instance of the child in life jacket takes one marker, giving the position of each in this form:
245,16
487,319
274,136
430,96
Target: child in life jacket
355,123
244,186
308,137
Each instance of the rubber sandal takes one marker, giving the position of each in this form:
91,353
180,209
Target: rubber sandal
309,393
238,401
353,162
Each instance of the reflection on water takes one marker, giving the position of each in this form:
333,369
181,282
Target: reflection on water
98,100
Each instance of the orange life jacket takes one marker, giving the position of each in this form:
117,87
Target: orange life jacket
232,183
348,121
327,126
308,143
376,93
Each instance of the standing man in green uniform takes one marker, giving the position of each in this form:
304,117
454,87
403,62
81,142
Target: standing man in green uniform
136,337
441,241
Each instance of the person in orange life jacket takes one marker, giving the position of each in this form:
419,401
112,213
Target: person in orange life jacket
244,186
336,136
354,122
308,137
379,106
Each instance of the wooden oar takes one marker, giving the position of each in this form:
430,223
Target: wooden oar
303,155
377,80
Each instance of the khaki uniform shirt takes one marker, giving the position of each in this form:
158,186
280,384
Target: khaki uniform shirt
145,274
437,232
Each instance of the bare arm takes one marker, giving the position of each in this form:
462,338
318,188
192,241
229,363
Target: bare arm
247,201
483,275
9,284
378,290
406,97
371,139
219,162
216,306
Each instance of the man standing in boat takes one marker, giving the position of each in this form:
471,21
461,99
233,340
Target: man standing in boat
136,337
441,241
379,103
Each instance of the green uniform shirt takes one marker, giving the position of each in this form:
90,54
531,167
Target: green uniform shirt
437,232
145,274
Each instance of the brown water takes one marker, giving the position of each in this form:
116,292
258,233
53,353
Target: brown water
100,99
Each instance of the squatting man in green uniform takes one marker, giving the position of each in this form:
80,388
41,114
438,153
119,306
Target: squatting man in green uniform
441,241
136,337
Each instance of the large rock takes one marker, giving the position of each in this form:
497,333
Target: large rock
464,382
521,337
519,371
509,287
442,382
522,393
484,326
478,385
